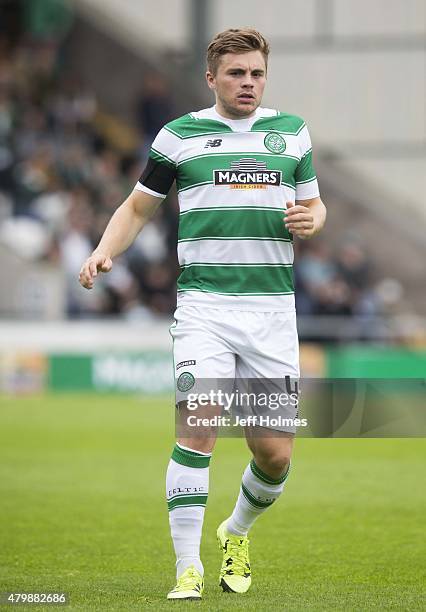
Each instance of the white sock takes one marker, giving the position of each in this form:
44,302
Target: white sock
258,492
187,486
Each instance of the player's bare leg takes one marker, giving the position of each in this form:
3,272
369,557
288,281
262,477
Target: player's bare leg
271,450
199,437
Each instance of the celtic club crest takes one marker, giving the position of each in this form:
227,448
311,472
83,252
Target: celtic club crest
274,142
185,382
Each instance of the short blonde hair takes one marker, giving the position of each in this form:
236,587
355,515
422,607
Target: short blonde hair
239,40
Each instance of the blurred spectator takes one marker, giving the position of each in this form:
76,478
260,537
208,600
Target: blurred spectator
330,283
26,237
353,264
47,19
75,247
314,272
154,108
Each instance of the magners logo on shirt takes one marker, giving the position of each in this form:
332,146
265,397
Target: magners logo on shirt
247,173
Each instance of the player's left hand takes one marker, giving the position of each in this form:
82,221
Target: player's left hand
299,220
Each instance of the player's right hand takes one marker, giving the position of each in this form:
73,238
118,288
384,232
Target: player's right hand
94,264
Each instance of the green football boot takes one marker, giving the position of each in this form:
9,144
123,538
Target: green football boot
235,573
189,586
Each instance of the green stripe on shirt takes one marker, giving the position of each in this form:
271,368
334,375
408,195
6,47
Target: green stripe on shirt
237,279
233,223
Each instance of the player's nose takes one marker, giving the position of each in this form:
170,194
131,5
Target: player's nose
248,83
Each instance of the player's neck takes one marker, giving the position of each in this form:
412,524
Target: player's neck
231,116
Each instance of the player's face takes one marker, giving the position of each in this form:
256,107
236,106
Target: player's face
238,83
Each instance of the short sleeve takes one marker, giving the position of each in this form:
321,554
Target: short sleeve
306,180
160,170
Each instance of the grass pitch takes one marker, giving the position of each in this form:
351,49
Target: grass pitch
82,511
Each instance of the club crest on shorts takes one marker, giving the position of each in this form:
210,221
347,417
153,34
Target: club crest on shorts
185,382
275,143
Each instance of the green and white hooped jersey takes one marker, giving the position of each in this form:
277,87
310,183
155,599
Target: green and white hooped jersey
233,178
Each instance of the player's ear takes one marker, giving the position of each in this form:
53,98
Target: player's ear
211,81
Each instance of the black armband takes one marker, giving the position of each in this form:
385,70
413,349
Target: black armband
157,176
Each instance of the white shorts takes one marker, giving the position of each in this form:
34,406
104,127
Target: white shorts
225,345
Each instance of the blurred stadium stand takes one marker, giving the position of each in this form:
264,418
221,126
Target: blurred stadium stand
86,84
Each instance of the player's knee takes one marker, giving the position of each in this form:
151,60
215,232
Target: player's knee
279,463
275,463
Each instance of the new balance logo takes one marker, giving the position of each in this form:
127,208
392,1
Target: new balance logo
213,143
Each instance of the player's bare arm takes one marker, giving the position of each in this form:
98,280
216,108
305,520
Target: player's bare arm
305,218
121,231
